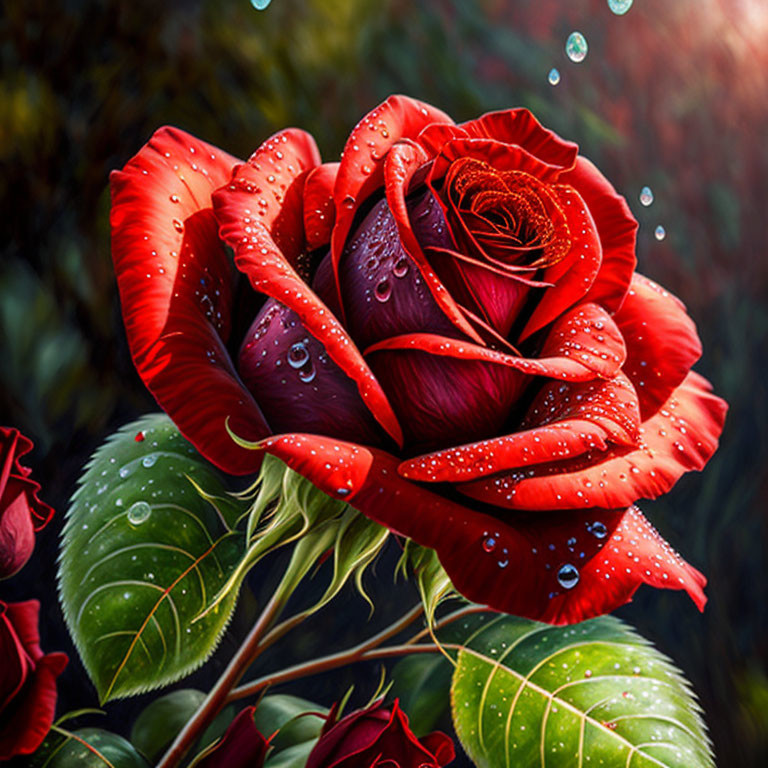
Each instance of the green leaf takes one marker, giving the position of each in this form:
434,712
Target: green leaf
529,694
162,720
293,757
289,715
142,555
422,682
86,748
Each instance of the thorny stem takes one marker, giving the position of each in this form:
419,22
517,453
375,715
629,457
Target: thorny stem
366,651
213,703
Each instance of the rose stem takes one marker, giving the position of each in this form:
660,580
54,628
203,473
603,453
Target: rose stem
217,697
366,651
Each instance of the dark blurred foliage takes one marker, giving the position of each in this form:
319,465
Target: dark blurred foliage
673,95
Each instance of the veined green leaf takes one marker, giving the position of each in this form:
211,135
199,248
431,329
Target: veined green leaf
85,748
594,694
142,554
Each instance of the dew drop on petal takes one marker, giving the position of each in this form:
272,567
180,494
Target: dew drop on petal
489,543
554,76
620,7
400,269
383,290
298,355
138,513
646,196
308,372
598,530
660,233
568,576
576,47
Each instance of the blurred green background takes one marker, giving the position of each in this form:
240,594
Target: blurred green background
673,95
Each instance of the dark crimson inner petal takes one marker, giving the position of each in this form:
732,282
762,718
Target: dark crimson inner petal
443,401
383,292
297,385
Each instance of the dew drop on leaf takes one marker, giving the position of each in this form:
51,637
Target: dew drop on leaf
139,513
554,76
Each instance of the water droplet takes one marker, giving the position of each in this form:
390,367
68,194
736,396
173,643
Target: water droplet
620,7
576,47
660,233
489,544
348,202
554,76
646,196
175,199
298,355
308,372
598,530
568,576
139,436
149,461
401,267
342,491
383,290
178,226
138,513
124,472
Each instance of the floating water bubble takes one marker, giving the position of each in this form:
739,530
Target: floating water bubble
554,76
383,290
646,196
298,355
620,7
138,513
660,233
576,47
568,576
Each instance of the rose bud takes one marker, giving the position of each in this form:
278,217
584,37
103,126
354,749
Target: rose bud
444,329
27,680
377,736
21,512
241,746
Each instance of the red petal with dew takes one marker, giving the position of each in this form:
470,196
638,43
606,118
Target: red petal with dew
617,229
261,258
511,562
361,171
662,343
680,437
572,277
583,344
572,418
175,283
319,211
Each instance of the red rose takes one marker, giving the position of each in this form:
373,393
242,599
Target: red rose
27,680
241,746
21,512
378,737
454,340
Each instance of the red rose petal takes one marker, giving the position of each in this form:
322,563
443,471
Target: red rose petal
583,343
175,285
268,192
259,256
502,561
571,419
241,746
662,343
681,437
519,126
336,467
574,275
361,171
14,445
617,229
402,162
319,210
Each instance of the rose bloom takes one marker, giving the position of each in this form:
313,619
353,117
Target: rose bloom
377,736
27,680
21,512
444,329
241,746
